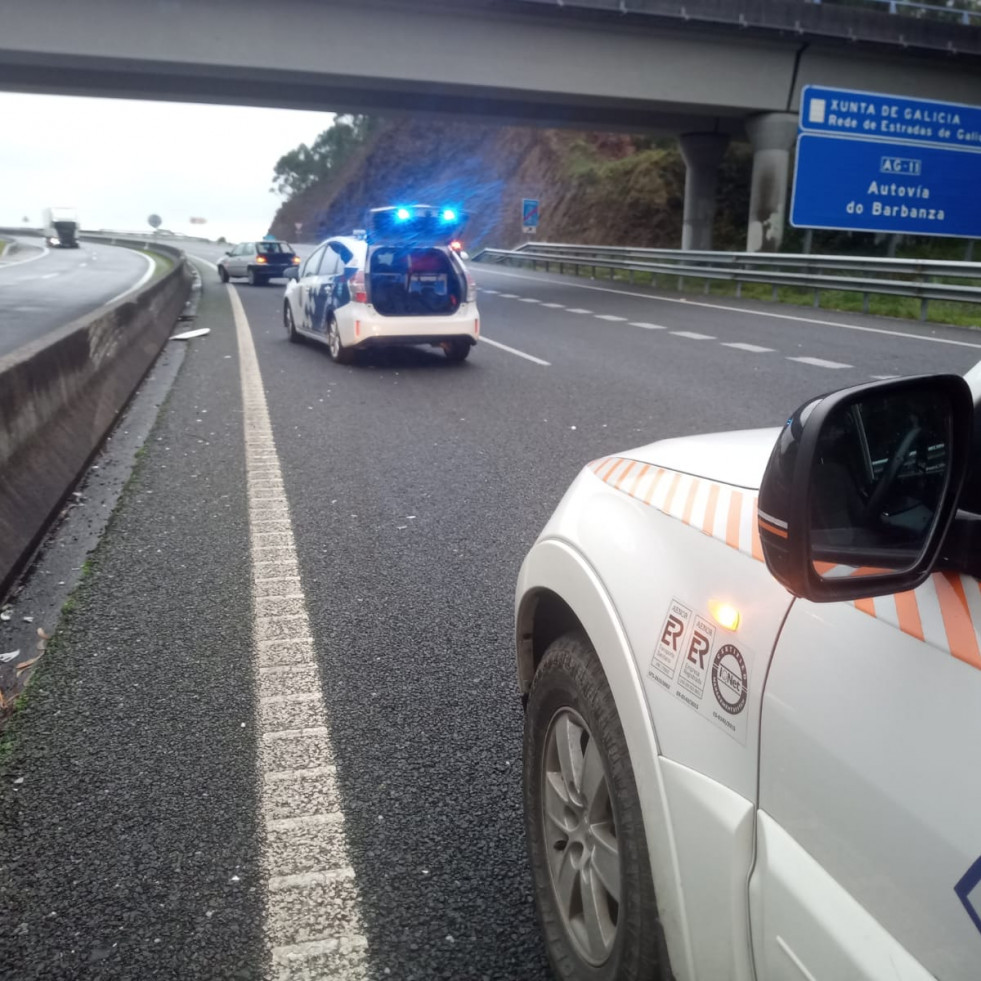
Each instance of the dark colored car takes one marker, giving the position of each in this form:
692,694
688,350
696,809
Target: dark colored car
258,261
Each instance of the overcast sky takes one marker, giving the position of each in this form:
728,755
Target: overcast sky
117,161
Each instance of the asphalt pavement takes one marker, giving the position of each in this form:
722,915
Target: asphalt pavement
41,289
135,837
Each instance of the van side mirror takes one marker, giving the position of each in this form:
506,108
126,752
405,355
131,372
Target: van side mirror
862,485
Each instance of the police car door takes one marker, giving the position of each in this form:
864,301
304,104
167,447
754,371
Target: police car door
306,280
869,830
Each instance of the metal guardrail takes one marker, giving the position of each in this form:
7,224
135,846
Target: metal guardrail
955,11
814,272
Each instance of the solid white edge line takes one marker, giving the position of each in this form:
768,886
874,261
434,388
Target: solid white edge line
484,339
150,267
741,310
31,258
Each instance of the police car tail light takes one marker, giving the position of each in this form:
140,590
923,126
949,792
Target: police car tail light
358,291
471,289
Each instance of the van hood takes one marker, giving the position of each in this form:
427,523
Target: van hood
738,458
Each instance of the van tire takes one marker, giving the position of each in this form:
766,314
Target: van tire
569,684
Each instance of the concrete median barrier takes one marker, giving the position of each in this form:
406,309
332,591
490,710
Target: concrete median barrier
61,394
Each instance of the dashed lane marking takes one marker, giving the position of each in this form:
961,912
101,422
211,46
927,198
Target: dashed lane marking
577,310
752,348
820,363
647,326
528,299
312,906
554,306
744,311
611,317
693,335
508,296
513,350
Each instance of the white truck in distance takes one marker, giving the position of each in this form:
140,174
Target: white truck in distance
61,228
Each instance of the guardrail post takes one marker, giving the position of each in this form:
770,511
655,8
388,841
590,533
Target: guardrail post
865,303
739,289
630,276
817,299
924,306
776,292
708,283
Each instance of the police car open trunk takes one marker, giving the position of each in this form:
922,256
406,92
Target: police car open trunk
414,281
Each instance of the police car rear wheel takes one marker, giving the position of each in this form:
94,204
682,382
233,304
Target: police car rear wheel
583,823
290,324
338,352
456,350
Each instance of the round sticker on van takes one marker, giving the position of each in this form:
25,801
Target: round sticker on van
730,682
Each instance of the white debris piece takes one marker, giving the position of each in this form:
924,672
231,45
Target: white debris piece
10,655
188,334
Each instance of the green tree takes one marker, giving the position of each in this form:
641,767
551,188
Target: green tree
305,165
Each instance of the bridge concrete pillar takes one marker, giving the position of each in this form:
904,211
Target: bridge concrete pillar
702,153
772,135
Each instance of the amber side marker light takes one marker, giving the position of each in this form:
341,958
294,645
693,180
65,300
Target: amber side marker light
725,614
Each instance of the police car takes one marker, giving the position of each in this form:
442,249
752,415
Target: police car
401,281
751,667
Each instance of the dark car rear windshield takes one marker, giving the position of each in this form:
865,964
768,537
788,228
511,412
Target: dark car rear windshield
267,248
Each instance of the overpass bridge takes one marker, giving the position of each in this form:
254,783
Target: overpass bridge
705,70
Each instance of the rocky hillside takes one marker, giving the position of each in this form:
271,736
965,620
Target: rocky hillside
594,188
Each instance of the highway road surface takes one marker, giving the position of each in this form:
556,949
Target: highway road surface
42,289
279,733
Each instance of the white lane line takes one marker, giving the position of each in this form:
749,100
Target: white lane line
293,902
693,335
513,350
484,289
150,267
31,258
745,311
752,348
647,326
508,296
820,363
554,306
577,310
528,299
883,378
48,276
609,316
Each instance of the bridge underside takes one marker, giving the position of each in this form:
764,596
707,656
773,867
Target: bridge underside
518,62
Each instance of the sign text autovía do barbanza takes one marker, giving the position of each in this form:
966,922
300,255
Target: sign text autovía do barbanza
862,178
889,117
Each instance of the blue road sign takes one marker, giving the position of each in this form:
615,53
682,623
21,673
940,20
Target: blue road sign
886,187
529,213
873,116
879,163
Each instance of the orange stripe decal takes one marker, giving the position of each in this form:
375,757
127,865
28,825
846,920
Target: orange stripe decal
713,502
961,635
620,479
866,605
821,568
649,496
669,500
757,544
690,502
614,462
773,529
640,475
732,525
908,611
